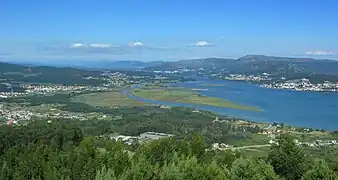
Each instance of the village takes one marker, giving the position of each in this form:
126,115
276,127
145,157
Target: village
304,85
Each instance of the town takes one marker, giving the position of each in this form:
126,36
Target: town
304,85
242,77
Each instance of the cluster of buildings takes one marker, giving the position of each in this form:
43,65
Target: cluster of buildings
271,129
304,85
243,77
220,146
38,89
142,138
13,117
10,94
42,89
114,79
275,129
317,143
10,117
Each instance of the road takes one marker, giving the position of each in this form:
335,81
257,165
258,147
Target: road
246,147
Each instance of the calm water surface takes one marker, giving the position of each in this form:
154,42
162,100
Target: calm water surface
308,109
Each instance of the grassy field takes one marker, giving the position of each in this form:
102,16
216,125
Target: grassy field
107,99
253,139
313,136
189,97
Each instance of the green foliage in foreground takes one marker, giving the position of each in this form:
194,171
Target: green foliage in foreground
60,151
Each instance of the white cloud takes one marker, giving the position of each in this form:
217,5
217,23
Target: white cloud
202,43
136,44
97,49
77,45
320,53
100,45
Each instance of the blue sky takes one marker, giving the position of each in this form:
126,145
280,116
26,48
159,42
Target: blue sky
166,29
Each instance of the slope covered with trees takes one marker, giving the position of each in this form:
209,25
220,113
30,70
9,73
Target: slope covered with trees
59,150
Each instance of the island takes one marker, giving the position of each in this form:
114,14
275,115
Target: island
215,85
189,97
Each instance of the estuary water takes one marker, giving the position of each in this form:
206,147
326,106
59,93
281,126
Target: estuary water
305,109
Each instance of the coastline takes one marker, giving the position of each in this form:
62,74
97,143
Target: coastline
300,109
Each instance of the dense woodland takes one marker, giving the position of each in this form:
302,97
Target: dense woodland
60,150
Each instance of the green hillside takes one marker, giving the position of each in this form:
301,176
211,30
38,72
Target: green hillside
45,74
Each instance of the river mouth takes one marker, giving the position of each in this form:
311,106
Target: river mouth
303,109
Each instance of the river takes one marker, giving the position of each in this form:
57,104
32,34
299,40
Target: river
305,109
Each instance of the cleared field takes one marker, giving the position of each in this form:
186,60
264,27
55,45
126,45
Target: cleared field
189,97
253,139
107,99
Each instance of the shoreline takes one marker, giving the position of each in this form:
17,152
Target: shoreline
270,114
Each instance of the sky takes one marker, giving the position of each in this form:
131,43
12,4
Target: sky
148,30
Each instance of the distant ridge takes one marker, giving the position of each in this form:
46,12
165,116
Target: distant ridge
256,64
245,64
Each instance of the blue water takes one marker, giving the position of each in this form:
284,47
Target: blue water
305,109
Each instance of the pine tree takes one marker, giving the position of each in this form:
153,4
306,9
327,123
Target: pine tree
287,158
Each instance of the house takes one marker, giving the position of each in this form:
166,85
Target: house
265,131
11,121
196,111
164,107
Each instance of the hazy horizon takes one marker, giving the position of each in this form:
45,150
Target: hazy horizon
145,61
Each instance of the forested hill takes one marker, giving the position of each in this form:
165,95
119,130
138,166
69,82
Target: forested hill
45,74
256,64
59,151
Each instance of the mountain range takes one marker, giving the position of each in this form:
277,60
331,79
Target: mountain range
253,64
250,64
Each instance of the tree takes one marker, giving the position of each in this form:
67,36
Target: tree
140,169
158,151
287,159
186,168
252,169
226,158
105,174
320,171
196,145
